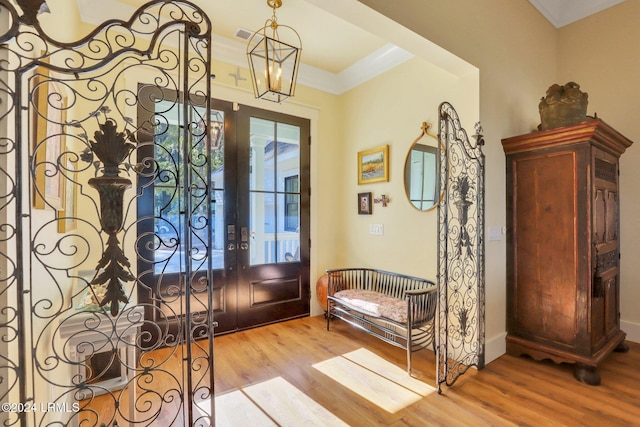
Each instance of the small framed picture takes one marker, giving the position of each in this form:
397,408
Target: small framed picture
364,203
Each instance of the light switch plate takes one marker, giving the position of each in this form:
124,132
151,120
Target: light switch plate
377,229
495,233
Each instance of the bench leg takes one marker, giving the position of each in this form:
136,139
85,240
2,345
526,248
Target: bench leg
409,348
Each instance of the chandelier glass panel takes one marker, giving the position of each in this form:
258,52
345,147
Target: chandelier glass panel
273,53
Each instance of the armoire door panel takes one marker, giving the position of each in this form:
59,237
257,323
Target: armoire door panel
545,190
598,295
612,323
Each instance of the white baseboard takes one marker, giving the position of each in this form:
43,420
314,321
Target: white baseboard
495,347
632,329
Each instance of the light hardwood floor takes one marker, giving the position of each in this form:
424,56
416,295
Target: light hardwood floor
296,373
509,391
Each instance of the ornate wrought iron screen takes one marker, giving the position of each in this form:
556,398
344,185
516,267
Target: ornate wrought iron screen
81,127
460,250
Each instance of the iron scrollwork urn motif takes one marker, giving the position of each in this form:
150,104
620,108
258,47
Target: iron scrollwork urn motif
112,149
462,187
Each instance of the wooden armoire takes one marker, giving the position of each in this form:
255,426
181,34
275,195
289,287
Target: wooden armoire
563,250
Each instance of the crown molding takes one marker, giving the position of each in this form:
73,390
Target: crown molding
234,53
550,10
565,12
378,62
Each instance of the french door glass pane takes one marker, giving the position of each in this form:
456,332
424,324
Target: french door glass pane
274,192
217,223
288,236
288,153
169,214
262,226
262,155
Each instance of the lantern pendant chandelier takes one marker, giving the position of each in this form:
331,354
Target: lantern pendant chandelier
274,57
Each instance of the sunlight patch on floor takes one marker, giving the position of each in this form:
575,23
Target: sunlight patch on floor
377,364
277,402
236,409
270,403
288,406
375,379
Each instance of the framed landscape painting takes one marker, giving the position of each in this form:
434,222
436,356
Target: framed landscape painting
373,165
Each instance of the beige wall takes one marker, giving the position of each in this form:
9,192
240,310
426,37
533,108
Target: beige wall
515,49
601,54
63,23
519,55
390,109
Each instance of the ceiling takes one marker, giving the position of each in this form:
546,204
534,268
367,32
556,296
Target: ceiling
337,55
564,12
318,29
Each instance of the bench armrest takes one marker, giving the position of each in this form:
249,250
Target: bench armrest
421,304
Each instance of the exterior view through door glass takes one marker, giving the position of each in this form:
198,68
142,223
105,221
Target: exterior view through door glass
258,219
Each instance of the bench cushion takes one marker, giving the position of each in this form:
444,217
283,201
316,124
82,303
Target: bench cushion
374,304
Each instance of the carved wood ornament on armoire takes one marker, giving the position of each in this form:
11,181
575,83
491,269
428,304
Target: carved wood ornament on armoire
563,249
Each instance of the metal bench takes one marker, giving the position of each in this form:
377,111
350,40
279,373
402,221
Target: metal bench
396,308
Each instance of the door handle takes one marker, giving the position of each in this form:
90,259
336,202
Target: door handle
244,246
231,247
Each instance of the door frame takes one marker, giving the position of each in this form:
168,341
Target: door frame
226,280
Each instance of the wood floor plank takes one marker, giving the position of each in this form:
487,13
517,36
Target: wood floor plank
574,399
516,385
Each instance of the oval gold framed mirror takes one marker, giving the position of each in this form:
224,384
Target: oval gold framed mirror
421,171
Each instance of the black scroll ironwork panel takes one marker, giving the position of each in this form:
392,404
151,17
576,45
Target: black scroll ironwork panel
461,287
81,344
